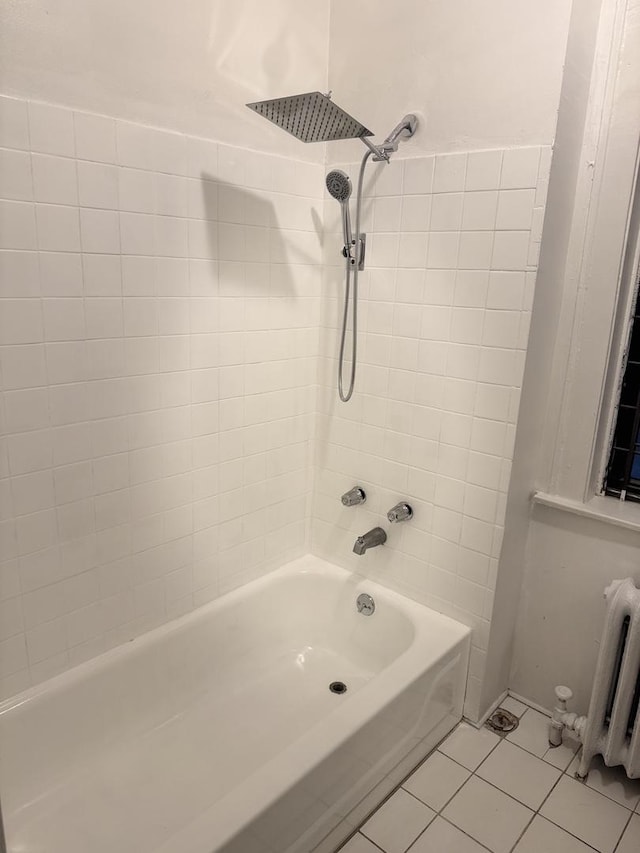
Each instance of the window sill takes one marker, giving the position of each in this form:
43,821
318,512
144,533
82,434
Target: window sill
603,509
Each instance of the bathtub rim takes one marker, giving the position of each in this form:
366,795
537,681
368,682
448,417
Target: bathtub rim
307,564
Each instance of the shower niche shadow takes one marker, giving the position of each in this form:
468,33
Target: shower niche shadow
258,238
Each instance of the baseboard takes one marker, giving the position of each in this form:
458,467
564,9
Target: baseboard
478,724
530,703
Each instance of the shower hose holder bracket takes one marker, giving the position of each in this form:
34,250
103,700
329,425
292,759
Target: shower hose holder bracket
353,256
403,130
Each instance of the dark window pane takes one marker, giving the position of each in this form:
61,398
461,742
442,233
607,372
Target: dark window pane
617,468
630,384
634,345
625,428
623,471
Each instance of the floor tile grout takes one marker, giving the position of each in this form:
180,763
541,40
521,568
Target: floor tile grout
377,846
357,830
623,832
471,773
442,817
551,790
438,813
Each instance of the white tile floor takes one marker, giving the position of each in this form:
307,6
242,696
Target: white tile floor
479,792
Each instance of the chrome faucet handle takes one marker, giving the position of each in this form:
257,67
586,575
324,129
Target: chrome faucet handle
353,497
400,512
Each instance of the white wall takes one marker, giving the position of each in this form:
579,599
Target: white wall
481,75
190,66
569,561
158,343
563,562
569,168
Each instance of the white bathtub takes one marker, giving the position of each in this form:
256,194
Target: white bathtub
218,732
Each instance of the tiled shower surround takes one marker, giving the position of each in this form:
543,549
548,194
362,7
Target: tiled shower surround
168,366
445,304
158,320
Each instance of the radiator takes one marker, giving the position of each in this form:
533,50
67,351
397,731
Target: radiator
612,726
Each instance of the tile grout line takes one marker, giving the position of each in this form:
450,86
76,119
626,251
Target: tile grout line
537,811
438,813
357,831
595,790
472,773
558,780
436,748
534,812
626,826
475,840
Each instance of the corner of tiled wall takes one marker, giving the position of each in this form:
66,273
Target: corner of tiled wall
452,251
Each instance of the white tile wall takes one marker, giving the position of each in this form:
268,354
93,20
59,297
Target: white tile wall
162,299
444,317
158,343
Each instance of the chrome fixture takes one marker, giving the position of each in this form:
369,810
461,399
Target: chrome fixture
371,539
354,249
400,512
403,130
353,497
365,604
313,117
339,186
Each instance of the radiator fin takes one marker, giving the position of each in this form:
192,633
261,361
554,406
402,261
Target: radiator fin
617,663
625,680
613,723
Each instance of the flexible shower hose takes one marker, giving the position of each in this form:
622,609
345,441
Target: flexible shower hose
354,299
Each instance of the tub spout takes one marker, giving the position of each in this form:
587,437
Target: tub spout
370,539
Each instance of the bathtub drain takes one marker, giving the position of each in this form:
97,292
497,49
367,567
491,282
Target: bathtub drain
338,687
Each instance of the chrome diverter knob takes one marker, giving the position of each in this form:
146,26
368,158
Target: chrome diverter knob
353,497
400,512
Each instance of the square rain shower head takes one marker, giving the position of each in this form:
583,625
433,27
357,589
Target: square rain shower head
311,117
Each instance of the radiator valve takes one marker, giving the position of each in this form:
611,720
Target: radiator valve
562,719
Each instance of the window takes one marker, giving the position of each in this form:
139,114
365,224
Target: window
622,478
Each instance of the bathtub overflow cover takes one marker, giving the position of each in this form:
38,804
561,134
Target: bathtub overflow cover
365,604
338,687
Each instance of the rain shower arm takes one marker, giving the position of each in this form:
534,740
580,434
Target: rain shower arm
403,130
377,150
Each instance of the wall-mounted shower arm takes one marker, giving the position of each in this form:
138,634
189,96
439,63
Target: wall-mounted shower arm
378,151
314,117
403,130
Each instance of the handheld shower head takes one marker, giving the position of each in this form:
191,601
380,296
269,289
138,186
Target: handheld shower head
339,186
